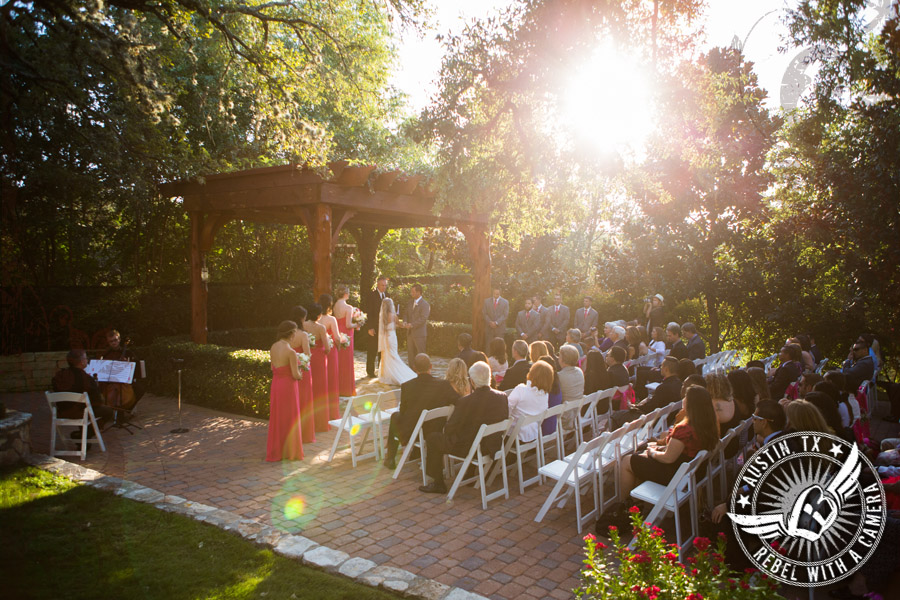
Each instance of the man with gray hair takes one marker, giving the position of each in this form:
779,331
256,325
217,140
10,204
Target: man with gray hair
484,406
617,335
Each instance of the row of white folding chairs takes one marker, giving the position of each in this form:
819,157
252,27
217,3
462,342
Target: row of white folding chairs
721,361
364,415
598,459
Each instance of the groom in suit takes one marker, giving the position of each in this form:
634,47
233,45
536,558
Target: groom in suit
495,312
416,324
373,309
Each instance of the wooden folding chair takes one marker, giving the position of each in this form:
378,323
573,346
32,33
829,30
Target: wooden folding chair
482,462
417,439
87,419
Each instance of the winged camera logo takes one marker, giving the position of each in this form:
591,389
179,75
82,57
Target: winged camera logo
806,511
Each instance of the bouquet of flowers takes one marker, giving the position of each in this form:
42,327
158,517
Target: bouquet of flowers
358,318
303,361
312,339
345,341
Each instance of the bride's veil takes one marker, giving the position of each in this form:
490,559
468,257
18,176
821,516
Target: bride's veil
384,318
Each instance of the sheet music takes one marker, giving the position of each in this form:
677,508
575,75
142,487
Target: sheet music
115,371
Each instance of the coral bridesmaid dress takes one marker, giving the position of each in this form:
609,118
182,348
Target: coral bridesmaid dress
333,360
347,373
285,440
319,371
304,386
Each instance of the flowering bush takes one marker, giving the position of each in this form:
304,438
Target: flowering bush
651,570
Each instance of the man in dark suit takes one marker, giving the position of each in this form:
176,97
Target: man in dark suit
416,323
677,348
468,356
483,406
517,372
544,313
494,312
696,347
858,367
559,322
425,392
787,373
373,309
667,392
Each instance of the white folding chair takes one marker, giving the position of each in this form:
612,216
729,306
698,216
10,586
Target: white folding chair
384,406
558,435
820,366
586,418
575,472
607,395
718,465
417,438
356,427
87,418
767,361
671,497
520,448
475,454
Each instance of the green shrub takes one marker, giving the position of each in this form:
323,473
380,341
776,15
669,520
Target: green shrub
234,380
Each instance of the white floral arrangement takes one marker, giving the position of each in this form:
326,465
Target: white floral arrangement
345,341
358,318
303,361
312,339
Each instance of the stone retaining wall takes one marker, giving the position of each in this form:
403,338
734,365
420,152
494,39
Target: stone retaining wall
29,371
15,437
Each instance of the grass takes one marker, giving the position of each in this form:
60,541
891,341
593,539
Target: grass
59,539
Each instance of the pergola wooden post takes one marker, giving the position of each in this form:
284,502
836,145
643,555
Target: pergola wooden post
478,241
294,194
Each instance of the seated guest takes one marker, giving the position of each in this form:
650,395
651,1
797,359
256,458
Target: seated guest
686,367
554,398
424,392
807,362
74,379
744,393
788,372
551,355
617,335
458,377
807,382
464,344
667,392
696,347
813,349
847,405
483,406
531,398
801,415
606,343
768,421
692,379
618,376
497,360
696,430
518,372
536,350
635,340
596,375
657,346
571,381
760,385
673,340
858,367
573,338
728,412
481,356
756,364
829,410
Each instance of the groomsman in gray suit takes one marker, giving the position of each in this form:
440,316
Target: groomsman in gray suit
528,323
416,323
495,312
544,312
586,319
559,321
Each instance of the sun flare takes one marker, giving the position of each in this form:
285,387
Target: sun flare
607,102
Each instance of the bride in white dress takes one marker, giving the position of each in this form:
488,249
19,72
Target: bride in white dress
391,370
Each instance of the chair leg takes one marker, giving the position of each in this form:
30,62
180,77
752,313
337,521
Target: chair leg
337,440
577,502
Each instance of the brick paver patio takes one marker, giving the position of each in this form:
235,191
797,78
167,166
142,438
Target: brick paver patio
500,552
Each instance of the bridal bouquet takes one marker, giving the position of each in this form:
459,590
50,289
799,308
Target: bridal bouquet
312,339
303,361
359,317
345,341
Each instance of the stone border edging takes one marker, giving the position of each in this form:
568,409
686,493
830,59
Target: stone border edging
297,547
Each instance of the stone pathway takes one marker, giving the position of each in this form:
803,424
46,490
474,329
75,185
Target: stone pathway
499,553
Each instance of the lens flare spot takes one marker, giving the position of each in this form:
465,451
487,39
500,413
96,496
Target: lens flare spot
354,430
368,406
293,508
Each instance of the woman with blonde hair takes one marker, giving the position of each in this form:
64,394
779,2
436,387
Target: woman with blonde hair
458,376
804,416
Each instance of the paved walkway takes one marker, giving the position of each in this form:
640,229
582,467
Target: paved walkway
500,552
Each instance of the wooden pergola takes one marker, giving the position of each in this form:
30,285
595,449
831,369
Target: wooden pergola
326,205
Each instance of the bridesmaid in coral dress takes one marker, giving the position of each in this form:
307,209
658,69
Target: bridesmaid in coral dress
319,368
343,312
285,441
332,358
300,343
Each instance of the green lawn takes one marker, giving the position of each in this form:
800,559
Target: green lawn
63,540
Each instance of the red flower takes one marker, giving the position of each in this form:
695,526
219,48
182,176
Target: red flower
613,528
657,532
701,543
634,509
751,570
722,535
640,557
694,571
715,570
695,596
601,545
590,536
692,559
745,585
635,588
670,556
651,592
